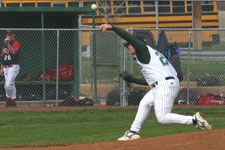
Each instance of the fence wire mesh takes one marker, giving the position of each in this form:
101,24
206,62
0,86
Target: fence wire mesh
47,62
56,65
201,61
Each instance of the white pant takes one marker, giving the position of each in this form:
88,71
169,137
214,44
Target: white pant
162,97
10,77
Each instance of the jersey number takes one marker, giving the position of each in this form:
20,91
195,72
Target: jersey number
7,57
162,59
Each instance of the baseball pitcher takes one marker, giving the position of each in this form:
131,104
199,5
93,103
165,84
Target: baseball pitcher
161,77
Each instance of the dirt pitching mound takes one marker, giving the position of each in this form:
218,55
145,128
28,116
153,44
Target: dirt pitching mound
206,140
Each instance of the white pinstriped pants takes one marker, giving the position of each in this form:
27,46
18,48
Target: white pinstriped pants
162,98
10,77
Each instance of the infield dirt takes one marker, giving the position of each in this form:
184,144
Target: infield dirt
206,140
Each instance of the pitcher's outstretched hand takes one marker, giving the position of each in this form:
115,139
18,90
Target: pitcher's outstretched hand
105,27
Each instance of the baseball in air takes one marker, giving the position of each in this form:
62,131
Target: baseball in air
93,6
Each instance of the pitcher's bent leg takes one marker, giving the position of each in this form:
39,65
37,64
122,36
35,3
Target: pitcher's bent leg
143,111
163,106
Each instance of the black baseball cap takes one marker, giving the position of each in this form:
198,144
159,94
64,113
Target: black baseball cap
10,32
138,37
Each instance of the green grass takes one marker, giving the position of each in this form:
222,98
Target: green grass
198,69
216,47
19,129
201,69
103,72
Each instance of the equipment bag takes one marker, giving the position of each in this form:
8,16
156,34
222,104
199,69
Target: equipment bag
70,101
134,97
210,99
65,72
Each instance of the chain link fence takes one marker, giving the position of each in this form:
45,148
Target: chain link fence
56,65
201,61
47,65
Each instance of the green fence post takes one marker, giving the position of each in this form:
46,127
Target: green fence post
76,61
43,57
